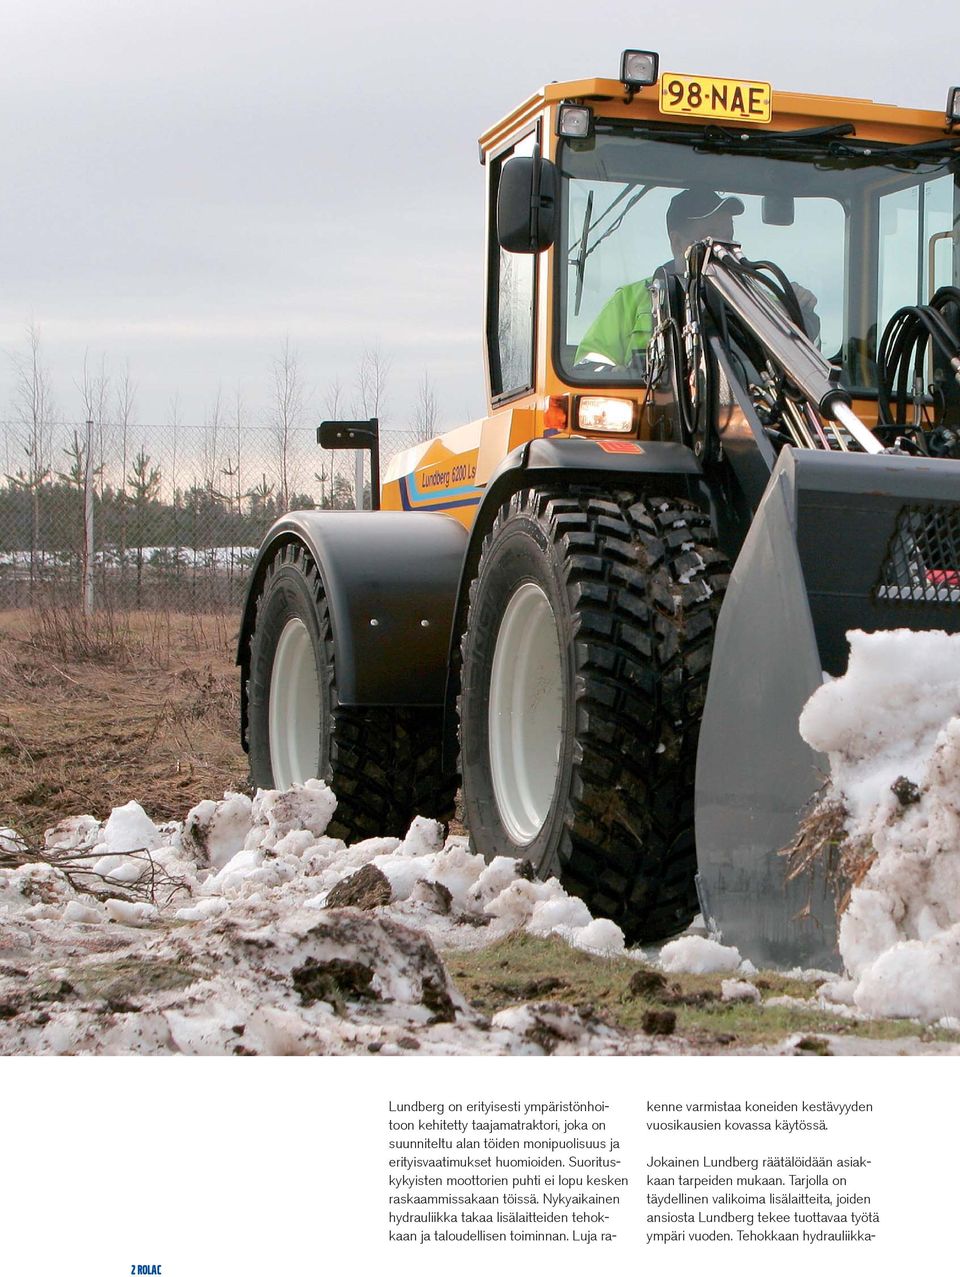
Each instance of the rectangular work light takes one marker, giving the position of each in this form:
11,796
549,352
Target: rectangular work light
574,120
596,412
639,67
953,105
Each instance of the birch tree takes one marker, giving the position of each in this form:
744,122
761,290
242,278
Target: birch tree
94,389
426,410
33,409
125,407
372,375
286,416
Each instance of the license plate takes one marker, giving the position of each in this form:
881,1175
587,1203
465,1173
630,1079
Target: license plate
704,96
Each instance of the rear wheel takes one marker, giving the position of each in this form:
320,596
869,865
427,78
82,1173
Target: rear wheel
525,712
383,764
585,663
295,708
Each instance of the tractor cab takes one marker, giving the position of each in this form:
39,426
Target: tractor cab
857,203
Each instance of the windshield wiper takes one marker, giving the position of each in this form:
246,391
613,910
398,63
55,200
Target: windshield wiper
841,144
819,133
724,135
584,251
616,224
930,149
582,255
826,145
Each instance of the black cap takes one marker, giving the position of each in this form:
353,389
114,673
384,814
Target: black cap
699,203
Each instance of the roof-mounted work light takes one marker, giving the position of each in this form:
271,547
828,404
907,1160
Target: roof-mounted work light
639,68
574,120
953,105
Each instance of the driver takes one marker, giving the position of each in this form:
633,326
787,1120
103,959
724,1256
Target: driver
625,324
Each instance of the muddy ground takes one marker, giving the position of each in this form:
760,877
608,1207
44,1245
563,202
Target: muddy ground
140,705
145,706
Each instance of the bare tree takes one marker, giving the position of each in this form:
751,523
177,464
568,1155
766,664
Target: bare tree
233,471
34,411
372,375
233,462
75,476
210,453
125,401
286,416
333,400
332,405
426,410
95,388
174,422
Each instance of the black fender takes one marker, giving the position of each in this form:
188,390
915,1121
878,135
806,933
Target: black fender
390,579
573,459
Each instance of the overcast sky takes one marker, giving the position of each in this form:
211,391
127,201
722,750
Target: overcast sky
185,184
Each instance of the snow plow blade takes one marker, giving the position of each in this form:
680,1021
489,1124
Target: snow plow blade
840,541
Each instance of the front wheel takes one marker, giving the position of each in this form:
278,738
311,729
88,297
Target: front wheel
584,671
383,763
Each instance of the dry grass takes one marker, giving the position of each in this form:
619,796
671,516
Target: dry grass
94,712
822,841
524,968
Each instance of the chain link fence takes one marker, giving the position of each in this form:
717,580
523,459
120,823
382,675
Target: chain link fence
178,511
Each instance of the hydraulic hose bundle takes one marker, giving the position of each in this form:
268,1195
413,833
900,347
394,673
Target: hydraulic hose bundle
754,313
772,393
694,370
912,409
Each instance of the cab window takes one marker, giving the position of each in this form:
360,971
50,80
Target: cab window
511,299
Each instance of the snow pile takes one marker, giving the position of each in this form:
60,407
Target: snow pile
228,934
738,991
891,728
275,844
697,955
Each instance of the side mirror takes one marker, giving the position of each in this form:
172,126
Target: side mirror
353,435
527,204
778,210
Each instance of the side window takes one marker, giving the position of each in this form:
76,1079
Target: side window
511,298
916,244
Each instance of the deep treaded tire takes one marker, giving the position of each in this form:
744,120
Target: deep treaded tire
383,764
634,586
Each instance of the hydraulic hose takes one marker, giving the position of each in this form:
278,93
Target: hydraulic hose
901,356
768,310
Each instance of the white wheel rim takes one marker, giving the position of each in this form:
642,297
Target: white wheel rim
294,714
525,713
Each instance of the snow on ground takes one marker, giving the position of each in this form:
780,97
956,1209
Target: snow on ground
891,728
255,962
699,956
245,929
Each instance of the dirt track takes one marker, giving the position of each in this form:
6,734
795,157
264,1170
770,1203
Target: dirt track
142,705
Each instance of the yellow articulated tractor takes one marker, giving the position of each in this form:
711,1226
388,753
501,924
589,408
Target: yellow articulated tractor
722,345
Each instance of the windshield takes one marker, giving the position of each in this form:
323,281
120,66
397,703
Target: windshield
859,234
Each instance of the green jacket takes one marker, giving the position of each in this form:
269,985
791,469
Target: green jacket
624,325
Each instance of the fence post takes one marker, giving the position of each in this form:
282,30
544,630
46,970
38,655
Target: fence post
88,523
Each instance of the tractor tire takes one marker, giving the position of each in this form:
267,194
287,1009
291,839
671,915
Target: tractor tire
383,763
584,671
